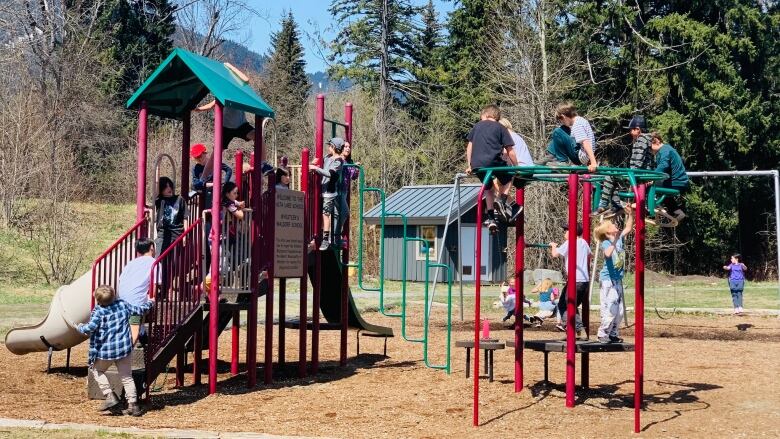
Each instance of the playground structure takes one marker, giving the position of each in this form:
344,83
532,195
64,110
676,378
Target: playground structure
241,268
182,322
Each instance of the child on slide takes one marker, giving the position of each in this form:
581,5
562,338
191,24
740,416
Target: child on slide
611,297
110,343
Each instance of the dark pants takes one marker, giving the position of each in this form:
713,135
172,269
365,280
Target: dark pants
582,293
672,203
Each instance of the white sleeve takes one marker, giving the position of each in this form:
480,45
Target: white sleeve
581,130
563,248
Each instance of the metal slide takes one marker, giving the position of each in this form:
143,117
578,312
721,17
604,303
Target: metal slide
330,297
71,303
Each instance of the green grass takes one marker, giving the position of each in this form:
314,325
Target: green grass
33,433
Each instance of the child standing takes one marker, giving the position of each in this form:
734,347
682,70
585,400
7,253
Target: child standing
488,140
611,296
736,271
582,277
330,172
110,343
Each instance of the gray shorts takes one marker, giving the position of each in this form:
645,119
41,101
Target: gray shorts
330,205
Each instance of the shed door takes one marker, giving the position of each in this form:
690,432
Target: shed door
468,252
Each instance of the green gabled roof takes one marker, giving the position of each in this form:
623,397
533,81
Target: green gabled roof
184,79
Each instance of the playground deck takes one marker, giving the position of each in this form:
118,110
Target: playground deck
703,384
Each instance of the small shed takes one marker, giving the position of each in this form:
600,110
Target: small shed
426,209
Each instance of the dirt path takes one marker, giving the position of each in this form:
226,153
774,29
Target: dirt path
704,378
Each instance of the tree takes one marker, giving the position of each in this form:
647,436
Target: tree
427,67
140,35
285,84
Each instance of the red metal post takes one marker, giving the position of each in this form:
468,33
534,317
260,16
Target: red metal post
197,353
140,191
477,297
234,339
319,125
571,290
304,284
639,306
185,154
216,227
348,121
255,200
236,327
238,172
519,278
269,296
587,193
345,251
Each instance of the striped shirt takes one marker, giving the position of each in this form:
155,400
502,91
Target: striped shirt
641,154
582,131
109,330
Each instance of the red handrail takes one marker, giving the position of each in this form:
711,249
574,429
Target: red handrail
119,253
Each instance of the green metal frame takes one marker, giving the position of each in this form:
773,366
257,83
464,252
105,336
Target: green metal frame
362,189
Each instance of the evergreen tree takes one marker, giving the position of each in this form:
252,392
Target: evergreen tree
285,84
139,35
470,33
375,43
427,67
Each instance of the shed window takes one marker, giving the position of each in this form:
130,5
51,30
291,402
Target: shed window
428,233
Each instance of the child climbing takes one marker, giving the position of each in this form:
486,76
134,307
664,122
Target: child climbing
668,161
110,343
736,271
611,297
488,140
330,172
573,141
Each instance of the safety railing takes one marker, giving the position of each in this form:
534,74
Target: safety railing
235,251
176,285
108,266
195,204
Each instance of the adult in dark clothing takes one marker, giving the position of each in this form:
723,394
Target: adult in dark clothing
170,211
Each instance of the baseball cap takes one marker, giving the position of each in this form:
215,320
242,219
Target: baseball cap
638,121
338,143
565,226
197,150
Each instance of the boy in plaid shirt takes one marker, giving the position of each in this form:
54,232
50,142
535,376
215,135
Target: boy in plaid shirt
110,343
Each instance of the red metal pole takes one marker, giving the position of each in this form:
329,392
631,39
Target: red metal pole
571,290
234,339
239,172
140,192
639,306
185,155
519,277
319,125
269,296
477,297
216,227
304,284
255,200
282,318
345,252
348,121
587,193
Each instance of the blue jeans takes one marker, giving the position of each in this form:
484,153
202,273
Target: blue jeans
736,287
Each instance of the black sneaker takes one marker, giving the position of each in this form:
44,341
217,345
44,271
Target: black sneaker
133,410
503,212
517,211
615,339
491,225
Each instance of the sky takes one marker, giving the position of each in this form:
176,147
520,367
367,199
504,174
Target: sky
313,19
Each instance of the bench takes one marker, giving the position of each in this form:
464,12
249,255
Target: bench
582,346
489,346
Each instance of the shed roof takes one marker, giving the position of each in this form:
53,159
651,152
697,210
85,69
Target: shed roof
424,205
184,79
